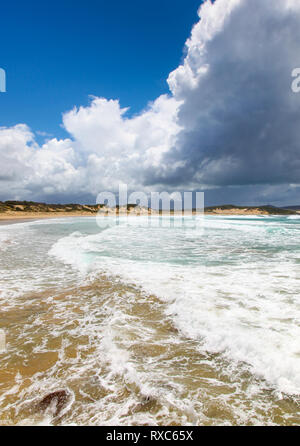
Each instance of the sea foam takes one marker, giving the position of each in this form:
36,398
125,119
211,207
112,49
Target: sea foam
233,288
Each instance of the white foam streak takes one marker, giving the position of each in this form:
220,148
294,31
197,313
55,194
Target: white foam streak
244,305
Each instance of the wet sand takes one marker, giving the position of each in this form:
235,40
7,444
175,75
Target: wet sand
164,377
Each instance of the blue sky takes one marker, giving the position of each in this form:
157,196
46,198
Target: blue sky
56,53
223,117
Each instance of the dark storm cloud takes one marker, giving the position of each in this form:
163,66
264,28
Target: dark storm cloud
241,124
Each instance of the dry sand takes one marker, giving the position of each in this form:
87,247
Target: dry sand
21,216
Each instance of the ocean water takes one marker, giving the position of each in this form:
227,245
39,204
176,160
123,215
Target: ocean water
156,325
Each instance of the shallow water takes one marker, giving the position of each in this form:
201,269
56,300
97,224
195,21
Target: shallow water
151,325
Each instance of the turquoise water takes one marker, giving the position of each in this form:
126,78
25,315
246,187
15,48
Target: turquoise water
228,288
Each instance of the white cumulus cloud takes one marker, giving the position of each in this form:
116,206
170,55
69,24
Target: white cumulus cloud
230,122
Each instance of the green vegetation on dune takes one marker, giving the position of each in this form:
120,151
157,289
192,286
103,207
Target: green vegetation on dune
35,207
272,210
30,206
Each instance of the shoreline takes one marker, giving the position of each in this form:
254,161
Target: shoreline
14,219
22,216
11,219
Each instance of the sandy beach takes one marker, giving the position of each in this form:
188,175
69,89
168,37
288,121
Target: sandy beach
12,218
20,211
